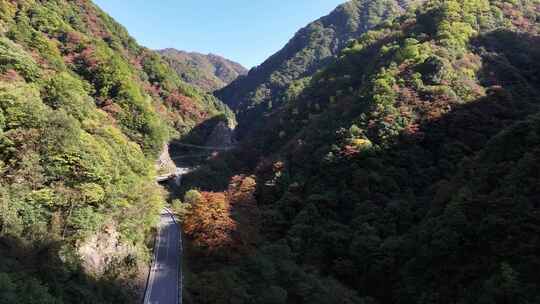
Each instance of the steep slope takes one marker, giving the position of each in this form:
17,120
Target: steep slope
316,45
84,112
405,172
410,147
208,72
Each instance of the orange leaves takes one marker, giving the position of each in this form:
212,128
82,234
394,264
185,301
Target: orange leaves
72,40
180,101
213,223
241,191
241,194
184,104
112,109
413,132
210,225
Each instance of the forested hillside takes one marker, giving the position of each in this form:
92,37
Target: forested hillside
262,91
393,157
208,72
405,172
84,112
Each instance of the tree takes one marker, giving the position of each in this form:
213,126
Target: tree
209,224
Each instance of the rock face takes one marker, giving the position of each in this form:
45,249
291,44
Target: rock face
165,164
221,136
102,250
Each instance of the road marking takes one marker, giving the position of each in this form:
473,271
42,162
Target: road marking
153,270
179,277
156,265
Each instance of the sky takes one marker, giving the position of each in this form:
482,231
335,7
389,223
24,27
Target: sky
246,31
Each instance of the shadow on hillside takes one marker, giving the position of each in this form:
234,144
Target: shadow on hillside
404,175
199,134
409,174
186,156
510,63
36,271
213,168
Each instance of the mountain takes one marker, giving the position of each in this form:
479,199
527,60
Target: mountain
84,113
208,72
403,168
406,171
313,47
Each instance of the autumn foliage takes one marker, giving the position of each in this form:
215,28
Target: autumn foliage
210,224
84,113
214,218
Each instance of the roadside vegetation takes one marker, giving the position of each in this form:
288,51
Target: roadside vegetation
84,112
404,172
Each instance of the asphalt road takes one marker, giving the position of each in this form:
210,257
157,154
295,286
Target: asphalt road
164,280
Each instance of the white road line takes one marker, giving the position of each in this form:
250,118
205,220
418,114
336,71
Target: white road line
155,268
150,283
179,278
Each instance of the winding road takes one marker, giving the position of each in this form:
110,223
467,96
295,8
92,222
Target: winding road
165,277
164,285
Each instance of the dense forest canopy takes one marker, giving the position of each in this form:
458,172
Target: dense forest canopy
262,91
84,112
405,171
208,72
390,153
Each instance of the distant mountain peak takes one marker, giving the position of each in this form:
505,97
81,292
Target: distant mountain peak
209,72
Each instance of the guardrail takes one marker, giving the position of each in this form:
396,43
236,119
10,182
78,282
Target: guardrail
227,148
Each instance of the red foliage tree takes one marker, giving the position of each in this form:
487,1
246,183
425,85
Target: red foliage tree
210,225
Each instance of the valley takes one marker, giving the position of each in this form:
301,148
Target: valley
389,153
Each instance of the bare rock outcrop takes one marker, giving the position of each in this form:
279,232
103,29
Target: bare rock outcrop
103,250
221,136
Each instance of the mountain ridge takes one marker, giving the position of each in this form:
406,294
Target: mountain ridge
209,72
400,166
312,47
405,171
84,113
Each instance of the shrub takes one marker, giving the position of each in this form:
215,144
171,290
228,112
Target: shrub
14,57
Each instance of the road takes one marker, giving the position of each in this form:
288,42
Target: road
165,279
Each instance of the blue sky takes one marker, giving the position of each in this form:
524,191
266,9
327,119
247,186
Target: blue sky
246,31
